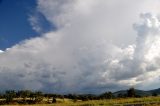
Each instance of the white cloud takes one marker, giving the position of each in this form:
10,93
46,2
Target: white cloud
34,21
1,51
94,48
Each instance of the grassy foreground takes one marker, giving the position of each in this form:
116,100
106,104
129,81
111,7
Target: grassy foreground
146,101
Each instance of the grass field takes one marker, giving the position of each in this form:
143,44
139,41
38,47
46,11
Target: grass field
146,101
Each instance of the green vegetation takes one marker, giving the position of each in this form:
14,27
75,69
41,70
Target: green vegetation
145,101
127,98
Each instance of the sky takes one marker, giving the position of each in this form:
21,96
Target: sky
14,22
77,46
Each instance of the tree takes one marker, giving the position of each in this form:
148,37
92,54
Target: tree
154,94
54,100
120,95
107,95
24,94
1,96
110,95
9,95
131,92
48,96
38,96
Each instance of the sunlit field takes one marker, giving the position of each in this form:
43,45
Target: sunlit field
145,101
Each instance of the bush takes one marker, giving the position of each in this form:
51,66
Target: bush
54,100
9,95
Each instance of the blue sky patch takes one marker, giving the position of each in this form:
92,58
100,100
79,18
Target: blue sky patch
14,22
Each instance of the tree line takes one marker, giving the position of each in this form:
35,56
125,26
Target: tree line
30,97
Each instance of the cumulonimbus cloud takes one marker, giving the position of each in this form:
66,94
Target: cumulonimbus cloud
94,48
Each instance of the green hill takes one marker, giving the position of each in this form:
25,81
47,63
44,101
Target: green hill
138,92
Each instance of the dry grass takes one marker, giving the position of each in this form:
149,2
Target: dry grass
148,101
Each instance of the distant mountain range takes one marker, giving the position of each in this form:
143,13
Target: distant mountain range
139,92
